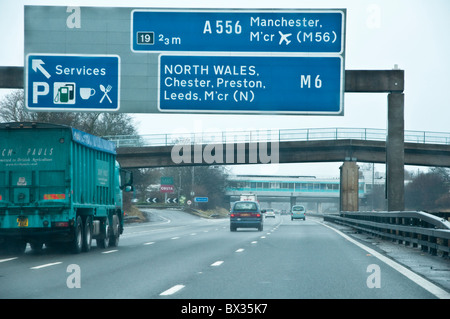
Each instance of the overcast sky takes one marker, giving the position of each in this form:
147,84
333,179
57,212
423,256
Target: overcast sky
412,34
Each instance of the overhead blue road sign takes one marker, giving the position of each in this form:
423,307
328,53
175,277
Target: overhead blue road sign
72,82
290,31
274,61
245,84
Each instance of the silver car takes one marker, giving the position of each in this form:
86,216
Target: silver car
269,213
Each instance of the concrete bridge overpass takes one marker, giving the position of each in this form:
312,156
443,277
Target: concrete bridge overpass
292,146
296,146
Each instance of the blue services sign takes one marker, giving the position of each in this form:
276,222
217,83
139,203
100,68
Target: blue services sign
293,31
72,82
311,85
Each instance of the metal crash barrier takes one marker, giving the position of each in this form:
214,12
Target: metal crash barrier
417,229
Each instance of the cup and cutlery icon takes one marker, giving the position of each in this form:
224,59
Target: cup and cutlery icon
105,92
86,93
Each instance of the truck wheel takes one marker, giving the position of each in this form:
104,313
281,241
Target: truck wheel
87,234
77,241
115,232
103,242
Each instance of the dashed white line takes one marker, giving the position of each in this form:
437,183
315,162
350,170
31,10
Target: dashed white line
240,250
149,243
172,290
254,242
46,265
217,263
110,251
175,238
8,259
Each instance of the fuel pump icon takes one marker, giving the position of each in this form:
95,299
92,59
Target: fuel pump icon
64,93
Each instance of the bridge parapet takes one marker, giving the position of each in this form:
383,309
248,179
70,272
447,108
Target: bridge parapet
281,135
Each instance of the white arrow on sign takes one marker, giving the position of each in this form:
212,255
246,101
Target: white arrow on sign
36,64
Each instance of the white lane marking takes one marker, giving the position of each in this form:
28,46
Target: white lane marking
262,237
193,234
217,263
110,251
254,242
46,265
149,243
427,285
7,259
240,250
172,290
175,238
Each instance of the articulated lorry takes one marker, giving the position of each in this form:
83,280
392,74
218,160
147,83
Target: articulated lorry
59,186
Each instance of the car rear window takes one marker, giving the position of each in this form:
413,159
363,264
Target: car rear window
245,207
298,208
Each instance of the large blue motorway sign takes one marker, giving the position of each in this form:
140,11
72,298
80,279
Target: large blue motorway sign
72,82
220,61
238,31
250,84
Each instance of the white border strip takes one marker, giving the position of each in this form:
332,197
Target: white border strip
172,290
427,285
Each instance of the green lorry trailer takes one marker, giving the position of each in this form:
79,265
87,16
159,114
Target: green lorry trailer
58,186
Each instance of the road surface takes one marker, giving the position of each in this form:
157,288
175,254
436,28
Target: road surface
177,255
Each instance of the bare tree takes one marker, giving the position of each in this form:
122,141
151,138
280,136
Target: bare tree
12,109
428,191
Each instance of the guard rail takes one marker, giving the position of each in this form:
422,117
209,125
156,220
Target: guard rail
417,229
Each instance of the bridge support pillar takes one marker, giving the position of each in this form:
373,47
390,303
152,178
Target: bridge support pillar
395,153
349,200
293,201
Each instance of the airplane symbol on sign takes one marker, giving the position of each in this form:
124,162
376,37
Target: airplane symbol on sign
284,37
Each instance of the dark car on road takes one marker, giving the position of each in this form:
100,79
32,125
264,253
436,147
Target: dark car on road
246,214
